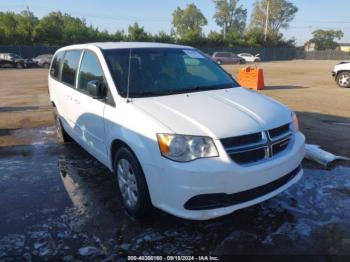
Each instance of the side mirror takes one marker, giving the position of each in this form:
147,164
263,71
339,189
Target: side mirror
96,89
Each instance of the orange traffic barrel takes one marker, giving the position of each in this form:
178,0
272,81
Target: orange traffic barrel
252,78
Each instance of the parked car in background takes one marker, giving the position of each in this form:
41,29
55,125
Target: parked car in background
43,60
14,60
341,73
249,57
175,129
222,58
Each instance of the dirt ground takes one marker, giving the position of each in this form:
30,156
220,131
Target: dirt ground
305,86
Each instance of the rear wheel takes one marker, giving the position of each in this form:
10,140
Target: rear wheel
132,184
62,136
46,65
19,65
343,79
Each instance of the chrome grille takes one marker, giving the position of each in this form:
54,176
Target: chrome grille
258,146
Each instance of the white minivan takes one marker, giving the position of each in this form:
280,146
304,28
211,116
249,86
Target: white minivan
178,131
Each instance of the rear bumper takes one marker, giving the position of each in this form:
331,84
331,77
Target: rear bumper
173,186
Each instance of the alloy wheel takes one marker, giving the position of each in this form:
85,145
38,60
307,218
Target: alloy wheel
127,182
344,80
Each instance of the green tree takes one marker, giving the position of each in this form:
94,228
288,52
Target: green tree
119,35
137,33
215,39
26,23
325,39
74,30
281,13
255,37
50,29
8,28
229,16
188,24
163,37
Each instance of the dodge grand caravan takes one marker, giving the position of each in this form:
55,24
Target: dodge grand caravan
178,132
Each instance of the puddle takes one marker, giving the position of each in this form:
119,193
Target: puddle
22,108
58,202
29,136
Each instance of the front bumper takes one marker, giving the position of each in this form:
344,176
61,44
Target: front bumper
172,185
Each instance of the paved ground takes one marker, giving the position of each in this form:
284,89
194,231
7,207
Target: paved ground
58,202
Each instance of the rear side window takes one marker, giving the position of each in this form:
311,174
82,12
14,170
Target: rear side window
90,69
70,66
56,65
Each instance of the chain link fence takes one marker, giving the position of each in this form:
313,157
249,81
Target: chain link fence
266,54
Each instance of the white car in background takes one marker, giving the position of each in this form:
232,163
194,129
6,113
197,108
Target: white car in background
341,73
176,130
250,58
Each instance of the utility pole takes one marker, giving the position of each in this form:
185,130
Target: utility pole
267,18
225,30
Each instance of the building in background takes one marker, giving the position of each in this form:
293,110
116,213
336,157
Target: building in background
345,47
309,46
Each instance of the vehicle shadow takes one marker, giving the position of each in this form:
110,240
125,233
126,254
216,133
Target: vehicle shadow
329,131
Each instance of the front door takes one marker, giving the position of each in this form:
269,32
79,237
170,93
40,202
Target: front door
88,115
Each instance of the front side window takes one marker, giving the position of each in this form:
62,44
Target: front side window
90,69
164,71
70,65
56,65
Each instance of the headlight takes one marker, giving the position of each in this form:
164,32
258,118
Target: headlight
183,148
295,121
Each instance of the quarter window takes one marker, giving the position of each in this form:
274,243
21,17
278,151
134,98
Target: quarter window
56,65
90,69
70,65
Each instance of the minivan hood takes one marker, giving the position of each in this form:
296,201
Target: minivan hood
343,62
218,113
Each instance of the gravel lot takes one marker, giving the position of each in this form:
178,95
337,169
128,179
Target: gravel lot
59,203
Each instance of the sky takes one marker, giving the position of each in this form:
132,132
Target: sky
155,15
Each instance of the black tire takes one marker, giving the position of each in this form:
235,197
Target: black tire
62,135
343,79
19,66
46,65
219,62
142,206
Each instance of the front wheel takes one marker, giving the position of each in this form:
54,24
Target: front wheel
19,66
343,79
132,184
219,62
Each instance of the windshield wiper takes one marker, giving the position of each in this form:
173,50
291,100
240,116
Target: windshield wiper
180,91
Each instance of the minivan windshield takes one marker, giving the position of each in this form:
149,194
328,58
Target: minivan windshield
164,71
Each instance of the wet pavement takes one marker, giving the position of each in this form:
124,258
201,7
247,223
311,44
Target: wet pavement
58,202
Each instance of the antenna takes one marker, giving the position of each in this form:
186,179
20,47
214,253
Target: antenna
128,87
